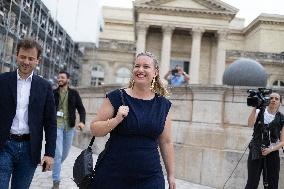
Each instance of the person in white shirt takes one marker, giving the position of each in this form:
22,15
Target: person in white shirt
26,109
268,146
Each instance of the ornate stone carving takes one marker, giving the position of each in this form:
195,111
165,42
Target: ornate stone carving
157,2
179,11
113,44
212,5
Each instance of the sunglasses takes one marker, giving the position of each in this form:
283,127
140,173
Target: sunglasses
276,98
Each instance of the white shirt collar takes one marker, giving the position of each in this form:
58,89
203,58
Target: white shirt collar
28,79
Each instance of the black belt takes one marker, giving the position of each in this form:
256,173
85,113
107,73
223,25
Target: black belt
18,137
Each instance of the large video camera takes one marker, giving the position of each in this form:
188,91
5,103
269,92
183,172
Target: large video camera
258,98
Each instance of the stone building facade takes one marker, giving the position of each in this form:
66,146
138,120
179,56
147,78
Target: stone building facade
203,36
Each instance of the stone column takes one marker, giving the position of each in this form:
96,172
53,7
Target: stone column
195,55
141,30
166,50
221,57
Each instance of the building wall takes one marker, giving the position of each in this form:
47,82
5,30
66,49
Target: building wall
181,50
111,66
272,39
181,46
275,72
206,60
116,46
88,60
118,32
236,41
253,40
265,38
118,24
154,43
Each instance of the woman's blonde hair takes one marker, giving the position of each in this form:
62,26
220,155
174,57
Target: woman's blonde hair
156,85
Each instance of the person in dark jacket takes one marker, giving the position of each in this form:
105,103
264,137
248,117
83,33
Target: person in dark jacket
274,140
26,109
67,100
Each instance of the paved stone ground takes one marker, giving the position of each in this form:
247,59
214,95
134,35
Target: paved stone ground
44,180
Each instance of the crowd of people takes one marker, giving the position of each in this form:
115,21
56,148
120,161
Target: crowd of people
138,119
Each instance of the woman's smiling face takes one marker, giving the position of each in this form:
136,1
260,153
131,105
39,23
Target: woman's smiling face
144,70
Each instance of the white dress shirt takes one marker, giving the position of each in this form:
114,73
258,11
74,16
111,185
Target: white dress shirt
20,121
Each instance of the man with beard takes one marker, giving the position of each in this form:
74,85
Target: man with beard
67,100
26,109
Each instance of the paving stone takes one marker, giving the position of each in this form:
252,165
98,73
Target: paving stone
43,180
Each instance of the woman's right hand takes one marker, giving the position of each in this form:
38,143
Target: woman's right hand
122,113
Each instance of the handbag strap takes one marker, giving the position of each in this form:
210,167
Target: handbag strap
92,142
121,96
123,103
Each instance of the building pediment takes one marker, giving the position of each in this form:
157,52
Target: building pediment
213,7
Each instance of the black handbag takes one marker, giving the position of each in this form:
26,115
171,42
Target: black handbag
83,171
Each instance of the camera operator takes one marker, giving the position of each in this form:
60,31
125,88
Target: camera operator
177,76
273,122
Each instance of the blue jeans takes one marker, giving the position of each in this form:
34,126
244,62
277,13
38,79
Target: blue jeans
15,160
63,143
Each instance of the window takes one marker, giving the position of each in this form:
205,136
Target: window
97,75
278,83
123,75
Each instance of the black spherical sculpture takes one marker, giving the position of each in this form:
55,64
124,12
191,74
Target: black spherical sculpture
245,72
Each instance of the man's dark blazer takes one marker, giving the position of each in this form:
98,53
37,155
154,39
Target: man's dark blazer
42,114
74,102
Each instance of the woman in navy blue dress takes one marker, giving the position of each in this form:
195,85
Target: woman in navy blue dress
137,128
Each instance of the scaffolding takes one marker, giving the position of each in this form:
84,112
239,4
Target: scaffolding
22,18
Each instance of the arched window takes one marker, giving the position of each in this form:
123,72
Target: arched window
278,83
97,75
123,75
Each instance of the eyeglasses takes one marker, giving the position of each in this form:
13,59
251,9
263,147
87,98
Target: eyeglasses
276,98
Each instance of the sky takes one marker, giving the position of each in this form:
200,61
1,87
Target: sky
81,20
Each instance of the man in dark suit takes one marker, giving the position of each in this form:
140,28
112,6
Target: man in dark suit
26,109
67,100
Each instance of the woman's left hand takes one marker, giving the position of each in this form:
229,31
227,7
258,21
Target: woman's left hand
172,182
266,151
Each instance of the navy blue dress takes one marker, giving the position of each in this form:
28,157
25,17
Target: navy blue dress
132,159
